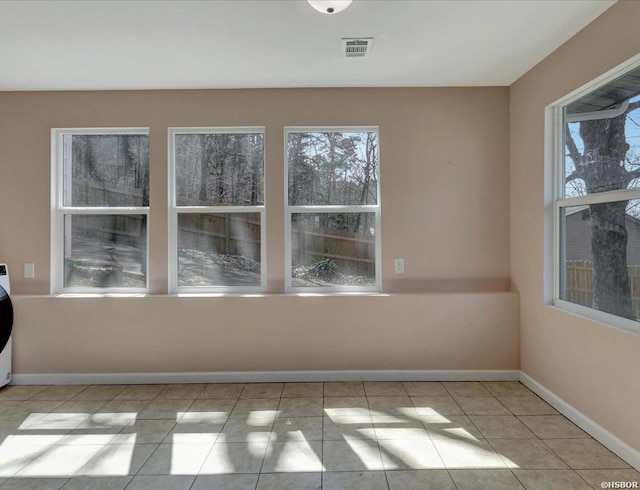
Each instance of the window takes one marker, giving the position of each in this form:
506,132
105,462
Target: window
332,214
597,201
100,205
216,210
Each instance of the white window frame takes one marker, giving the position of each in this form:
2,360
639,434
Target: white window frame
59,211
555,201
175,210
289,210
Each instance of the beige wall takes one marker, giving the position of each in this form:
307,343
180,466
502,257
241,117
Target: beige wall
445,209
593,367
277,332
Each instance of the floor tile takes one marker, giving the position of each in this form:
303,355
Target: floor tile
349,406
80,406
420,480
384,388
33,484
552,427
59,392
31,409
247,430
60,461
194,431
585,454
596,477
418,454
301,407
507,388
465,388
297,481
302,390
176,459
297,429
391,405
489,479
152,482
551,479
118,460
197,438
526,454
227,458
141,392
99,437
293,457
344,388
226,482
403,430
436,405
256,406
262,390
424,388
481,405
351,455
20,392
181,392
165,409
501,427
354,480
6,405
98,483
222,390
209,410
124,406
100,392
108,421
15,458
454,427
465,454
527,405
340,428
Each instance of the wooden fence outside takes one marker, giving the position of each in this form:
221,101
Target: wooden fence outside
228,233
353,253
579,284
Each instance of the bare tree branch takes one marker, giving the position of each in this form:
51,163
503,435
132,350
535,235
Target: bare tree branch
574,154
577,174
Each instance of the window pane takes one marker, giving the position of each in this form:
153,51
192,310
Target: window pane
105,251
219,249
333,249
332,168
600,257
602,138
106,170
219,169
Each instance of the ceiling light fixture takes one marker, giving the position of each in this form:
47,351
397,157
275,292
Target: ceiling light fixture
329,6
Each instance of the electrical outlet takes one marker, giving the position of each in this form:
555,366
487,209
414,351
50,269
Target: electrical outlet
398,266
29,271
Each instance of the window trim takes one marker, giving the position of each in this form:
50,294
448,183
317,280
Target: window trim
174,211
289,210
555,201
59,210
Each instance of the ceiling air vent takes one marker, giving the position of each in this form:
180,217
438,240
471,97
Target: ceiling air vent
357,47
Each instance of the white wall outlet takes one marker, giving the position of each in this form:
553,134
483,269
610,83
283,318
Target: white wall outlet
398,266
29,271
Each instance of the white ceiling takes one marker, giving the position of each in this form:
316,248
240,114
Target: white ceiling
131,44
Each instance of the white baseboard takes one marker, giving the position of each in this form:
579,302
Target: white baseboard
264,377
602,435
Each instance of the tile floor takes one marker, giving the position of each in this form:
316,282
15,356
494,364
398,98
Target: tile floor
338,435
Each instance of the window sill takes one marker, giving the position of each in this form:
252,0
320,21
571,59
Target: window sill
589,314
